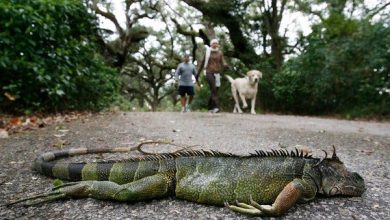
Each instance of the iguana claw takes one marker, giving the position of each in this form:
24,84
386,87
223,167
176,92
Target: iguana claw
243,208
38,199
254,203
59,192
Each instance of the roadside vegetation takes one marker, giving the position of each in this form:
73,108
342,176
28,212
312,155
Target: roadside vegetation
56,56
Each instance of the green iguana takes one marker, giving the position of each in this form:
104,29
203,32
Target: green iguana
263,183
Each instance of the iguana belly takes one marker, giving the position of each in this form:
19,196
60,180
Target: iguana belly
217,180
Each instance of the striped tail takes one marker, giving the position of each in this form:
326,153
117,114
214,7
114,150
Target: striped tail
120,172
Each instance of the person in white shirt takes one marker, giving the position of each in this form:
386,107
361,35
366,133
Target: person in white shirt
214,64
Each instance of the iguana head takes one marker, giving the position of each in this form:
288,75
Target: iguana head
337,180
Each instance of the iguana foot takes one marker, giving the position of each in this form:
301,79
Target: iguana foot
244,208
71,189
38,199
285,200
266,209
253,208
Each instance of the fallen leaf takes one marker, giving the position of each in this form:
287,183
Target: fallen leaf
13,124
59,144
48,120
367,139
59,135
33,119
26,122
3,133
368,151
15,121
9,96
3,123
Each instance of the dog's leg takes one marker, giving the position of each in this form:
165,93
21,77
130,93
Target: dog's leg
244,104
236,104
235,108
253,105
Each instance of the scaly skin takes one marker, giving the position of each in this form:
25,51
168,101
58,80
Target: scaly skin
265,183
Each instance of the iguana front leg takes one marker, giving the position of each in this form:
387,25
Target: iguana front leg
291,193
150,187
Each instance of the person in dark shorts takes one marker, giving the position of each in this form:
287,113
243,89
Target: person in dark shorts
183,75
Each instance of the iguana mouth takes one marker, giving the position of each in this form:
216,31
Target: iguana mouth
357,188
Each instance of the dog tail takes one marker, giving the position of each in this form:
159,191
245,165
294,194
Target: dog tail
229,78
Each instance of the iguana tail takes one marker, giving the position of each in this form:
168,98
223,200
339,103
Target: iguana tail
111,175
48,165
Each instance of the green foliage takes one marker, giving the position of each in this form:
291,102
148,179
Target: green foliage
344,69
201,96
48,59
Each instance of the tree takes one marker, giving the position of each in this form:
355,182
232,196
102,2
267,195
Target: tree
149,71
49,59
225,13
129,34
343,69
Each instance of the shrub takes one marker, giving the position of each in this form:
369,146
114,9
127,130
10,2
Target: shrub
48,59
340,72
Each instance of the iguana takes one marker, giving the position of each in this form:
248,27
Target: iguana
262,183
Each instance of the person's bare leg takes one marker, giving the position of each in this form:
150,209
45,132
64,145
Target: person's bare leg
183,101
188,107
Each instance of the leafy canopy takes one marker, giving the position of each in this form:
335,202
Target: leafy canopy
48,58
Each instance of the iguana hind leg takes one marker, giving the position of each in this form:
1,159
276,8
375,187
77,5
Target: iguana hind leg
290,194
156,186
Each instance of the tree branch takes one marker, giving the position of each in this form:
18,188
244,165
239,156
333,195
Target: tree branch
222,15
282,8
302,6
377,10
110,16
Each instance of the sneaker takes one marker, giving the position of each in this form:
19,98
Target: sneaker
183,110
215,110
187,108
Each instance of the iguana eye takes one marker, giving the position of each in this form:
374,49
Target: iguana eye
334,191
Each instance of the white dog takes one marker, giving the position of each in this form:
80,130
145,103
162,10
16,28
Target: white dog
246,88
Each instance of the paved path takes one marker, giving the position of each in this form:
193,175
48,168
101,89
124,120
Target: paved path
363,146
